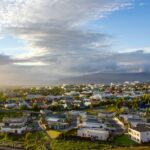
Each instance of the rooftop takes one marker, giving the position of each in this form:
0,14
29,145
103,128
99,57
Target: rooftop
15,120
98,130
141,128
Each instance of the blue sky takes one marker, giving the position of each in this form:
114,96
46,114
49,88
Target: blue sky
129,27
50,40
10,45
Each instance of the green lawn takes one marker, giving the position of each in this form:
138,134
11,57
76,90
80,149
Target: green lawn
123,140
131,148
120,143
72,132
77,145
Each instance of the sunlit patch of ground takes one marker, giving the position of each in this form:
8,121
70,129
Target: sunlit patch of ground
54,134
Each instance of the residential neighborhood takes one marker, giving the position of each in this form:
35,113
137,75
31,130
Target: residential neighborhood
74,74
94,112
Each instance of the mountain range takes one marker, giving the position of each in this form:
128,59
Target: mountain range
107,78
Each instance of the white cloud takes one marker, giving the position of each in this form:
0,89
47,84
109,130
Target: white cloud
144,49
49,25
31,63
54,33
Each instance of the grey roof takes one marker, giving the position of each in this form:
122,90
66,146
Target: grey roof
141,128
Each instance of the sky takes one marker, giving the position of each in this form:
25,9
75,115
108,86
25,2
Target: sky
42,41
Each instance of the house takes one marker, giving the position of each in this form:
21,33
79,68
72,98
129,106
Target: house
106,114
93,133
87,104
45,112
126,117
33,96
96,97
134,122
14,125
57,122
90,122
140,134
76,113
52,97
24,103
10,105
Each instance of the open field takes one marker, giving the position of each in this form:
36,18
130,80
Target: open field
123,140
76,145
131,148
89,145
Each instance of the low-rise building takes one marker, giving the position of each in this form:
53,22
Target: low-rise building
134,122
10,105
93,133
106,114
126,117
14,125
140,134
57,123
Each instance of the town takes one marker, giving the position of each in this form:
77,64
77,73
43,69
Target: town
98,115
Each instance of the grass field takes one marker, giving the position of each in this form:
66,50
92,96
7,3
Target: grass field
123,140
77,145
89,145
131,148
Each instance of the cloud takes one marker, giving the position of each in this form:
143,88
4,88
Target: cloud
71,65
5,59
60,45
55,25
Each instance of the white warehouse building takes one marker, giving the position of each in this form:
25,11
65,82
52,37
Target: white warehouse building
93,133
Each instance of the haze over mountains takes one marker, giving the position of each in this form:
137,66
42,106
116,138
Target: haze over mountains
108,78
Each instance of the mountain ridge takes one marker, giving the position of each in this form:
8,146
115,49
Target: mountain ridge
108,78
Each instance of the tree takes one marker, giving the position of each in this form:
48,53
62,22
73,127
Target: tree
2,97
135,104
35,141
57,91
146,98
35,106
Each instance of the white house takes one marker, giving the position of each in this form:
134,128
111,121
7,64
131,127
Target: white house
93,133
96,97
10,105
140,134
14,125
87,103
